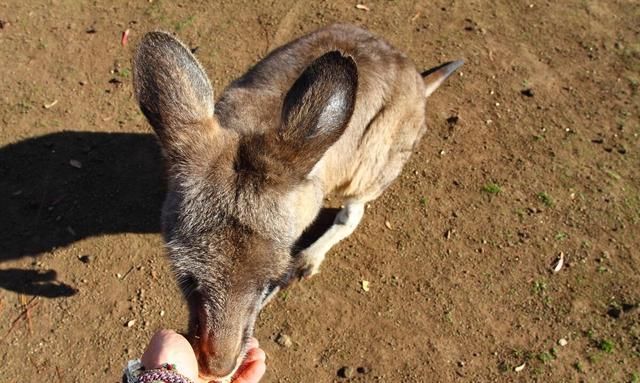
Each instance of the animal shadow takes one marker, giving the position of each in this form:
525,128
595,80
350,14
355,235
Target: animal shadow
62,187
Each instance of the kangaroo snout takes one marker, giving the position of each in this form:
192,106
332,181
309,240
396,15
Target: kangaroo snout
215,360
217,339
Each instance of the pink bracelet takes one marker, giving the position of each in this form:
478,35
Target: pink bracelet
166,374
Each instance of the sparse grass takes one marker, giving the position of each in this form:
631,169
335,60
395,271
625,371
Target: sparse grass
546,199
491,188
124,73
24,106
612,174
606,345
545,357
180,25
539,287
579,367
423,201
561,236
634,85
635,378
593,358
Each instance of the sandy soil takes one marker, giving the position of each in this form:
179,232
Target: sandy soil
533,152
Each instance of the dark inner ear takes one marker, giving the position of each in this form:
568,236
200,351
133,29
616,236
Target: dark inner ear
316,110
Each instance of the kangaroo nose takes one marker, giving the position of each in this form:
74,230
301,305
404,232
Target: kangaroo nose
218,356
221,366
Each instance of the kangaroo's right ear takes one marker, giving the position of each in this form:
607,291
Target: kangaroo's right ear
316,110
173,91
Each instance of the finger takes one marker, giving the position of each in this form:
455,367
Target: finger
254,355
252,343
253,372
167,346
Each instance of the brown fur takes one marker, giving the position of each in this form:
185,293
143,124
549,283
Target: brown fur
338,110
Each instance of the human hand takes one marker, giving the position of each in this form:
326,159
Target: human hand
167,346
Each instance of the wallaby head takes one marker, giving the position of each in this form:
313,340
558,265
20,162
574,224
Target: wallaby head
230,214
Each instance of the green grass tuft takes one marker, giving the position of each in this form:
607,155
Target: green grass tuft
546,199
492,188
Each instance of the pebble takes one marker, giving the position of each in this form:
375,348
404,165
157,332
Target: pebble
346,372
76,164
131,323
284,340
527,92
563,342
362,370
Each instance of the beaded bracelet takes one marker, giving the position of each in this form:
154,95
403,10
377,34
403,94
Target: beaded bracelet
136,373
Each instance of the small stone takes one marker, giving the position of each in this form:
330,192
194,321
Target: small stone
527,92
346,372
161,313
284,340
131,323
387,224
365,286
562,342
85,258
76,164
362,370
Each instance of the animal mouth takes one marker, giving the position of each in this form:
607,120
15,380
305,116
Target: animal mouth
204,346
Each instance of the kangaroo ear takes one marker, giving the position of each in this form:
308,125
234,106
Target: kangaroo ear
434,77
317,109
172,89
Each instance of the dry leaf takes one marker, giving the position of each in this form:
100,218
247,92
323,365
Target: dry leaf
559,263
125,37
50,105
363,7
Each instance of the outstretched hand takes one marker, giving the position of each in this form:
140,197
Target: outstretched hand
167,346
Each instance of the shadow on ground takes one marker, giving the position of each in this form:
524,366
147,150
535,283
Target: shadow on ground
63,187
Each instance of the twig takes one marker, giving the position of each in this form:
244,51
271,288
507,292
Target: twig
59,374
127,273
30,305
35,365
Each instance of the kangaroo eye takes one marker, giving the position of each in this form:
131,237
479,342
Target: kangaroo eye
187,283
270,289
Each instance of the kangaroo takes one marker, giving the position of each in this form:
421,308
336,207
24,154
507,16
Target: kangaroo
336,111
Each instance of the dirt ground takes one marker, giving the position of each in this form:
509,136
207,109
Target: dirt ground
532,152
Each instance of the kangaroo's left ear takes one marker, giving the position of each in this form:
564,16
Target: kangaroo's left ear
434,77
